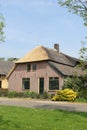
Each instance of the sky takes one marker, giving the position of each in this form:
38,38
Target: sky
30,23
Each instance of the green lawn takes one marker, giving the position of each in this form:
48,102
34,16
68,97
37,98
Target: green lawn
17,118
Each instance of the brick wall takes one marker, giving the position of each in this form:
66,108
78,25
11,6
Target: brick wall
43,70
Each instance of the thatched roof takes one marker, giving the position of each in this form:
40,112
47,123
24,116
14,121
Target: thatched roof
37,54
60,62
5,67
41,53
66,70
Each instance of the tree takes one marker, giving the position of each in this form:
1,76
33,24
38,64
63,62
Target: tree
2,25
2,58
78,7
12,59
83,57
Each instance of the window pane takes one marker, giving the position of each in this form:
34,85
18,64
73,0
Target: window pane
33,66
53,83
26,83
28,67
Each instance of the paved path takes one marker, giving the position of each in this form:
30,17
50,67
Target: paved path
44,104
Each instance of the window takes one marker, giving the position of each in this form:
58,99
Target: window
28,67
26,83
33,66
53,83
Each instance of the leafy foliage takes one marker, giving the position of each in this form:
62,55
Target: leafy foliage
2,58
8,59
72,83
2,25
26,94
76,83
83,57
12,59
78,7
3,92
82,94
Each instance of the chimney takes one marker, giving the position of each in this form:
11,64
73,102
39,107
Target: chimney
56,47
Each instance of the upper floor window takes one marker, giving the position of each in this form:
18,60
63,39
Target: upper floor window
28,67
33,66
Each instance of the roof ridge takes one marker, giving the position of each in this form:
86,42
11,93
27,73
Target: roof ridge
70,56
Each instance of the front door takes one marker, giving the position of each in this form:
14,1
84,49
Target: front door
41,85
0,84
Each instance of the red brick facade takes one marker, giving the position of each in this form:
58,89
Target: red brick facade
43,70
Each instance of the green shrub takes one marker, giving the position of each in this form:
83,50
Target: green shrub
72,83
33,95
65,95
3,92
26,94
76,83
12,94
81,100
82,94
46,95
19,94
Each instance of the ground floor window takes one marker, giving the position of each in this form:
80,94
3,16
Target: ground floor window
26,83
53,83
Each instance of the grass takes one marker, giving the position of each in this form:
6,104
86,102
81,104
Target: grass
18,118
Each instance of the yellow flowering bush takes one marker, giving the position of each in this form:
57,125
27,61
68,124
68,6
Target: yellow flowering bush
65,95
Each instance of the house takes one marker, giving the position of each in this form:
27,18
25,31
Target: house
5,67
42,69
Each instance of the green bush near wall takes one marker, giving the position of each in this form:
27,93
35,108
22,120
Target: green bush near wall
25,94
3,92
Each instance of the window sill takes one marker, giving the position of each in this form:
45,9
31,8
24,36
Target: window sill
25,89
52,90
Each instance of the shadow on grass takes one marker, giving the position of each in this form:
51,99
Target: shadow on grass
64,109
66,112
54,107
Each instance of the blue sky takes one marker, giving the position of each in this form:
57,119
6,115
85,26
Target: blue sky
30,23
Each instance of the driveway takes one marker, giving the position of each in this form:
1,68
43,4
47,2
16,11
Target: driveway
44,104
